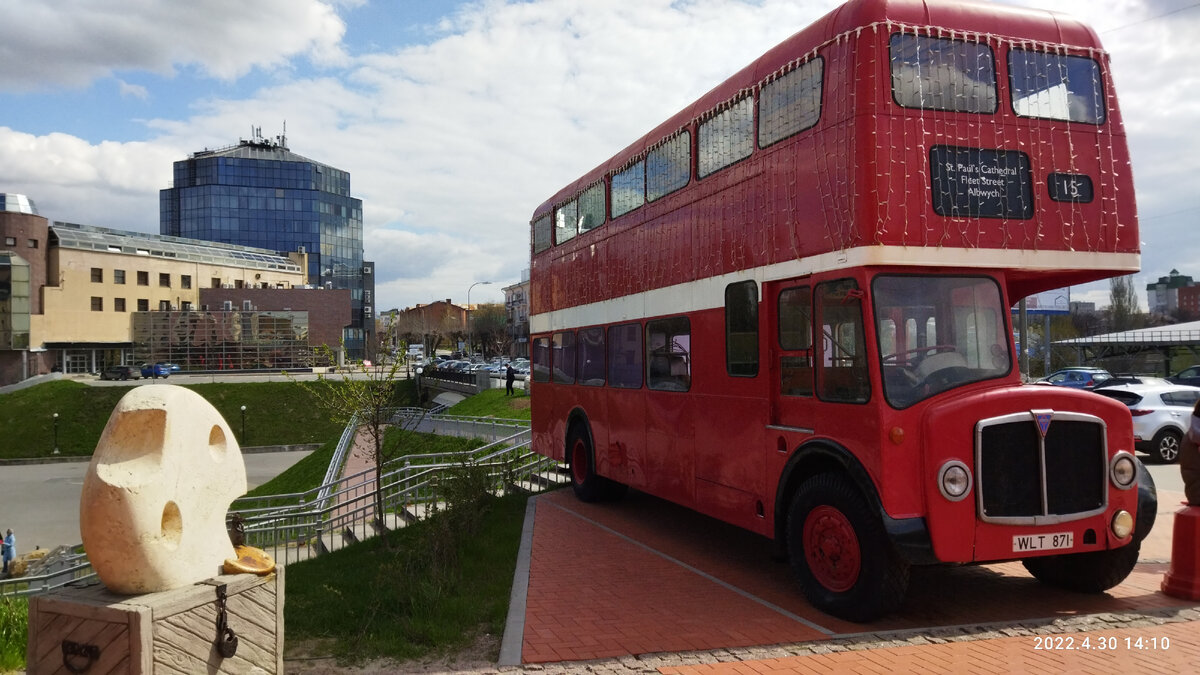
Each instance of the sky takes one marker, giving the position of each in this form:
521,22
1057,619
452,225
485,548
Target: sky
457,118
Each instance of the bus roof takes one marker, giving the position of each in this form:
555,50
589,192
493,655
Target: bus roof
965,16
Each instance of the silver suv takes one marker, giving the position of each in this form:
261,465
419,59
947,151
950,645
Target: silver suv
1161,415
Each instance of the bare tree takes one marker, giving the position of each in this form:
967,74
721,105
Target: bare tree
488,323
1123,311
369,395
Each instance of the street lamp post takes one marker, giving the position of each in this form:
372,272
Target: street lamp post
243,425
470,335
56,433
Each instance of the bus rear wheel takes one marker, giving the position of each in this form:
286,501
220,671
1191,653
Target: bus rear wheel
587,484
1093,572
840,554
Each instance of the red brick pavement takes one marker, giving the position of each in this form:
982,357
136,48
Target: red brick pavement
1169,648
644,576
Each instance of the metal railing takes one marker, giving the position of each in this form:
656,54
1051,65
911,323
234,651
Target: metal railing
69,569
296,526
410,489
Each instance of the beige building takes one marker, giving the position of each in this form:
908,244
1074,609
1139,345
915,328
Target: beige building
85,282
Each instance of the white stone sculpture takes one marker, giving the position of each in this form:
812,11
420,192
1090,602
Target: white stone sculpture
152,513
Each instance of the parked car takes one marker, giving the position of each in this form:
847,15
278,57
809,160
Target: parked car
173,367
1079,378
1118,380
1189,376
1161,415
121,373
155,370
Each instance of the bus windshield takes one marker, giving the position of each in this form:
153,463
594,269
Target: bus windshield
936,333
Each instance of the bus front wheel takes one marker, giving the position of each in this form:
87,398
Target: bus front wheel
840,554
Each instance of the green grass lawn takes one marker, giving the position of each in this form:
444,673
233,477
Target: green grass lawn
277,413
300,477
13,633
370,601
493,403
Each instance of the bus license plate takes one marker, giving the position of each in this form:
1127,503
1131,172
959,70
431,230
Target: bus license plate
1043,542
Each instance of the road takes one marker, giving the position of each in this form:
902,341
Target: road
40,502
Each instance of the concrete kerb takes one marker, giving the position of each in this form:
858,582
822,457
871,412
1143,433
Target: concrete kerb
514,625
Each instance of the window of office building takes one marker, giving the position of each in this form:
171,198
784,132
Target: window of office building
118,304
97,304
185,281
143,278
143,305
97,275
118,276
164,280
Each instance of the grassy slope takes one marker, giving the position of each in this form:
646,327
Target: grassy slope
493,403
367,601
276,413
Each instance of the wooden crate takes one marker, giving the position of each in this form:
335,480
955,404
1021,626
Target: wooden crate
168,632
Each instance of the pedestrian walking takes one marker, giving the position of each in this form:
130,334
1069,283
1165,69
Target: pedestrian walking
509,376
8,550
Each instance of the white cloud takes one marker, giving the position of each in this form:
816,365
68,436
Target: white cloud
453,143
128,90
74,42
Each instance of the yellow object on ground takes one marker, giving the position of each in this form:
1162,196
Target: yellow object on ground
249,560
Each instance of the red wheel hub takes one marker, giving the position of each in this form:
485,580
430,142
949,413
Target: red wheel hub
579,458
831,549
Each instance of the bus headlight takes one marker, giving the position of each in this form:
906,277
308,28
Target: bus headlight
954,480
1123,470
1122,524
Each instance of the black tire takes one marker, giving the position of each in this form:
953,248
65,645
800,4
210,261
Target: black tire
587,484
855,574
1093,572
1166,445
584,480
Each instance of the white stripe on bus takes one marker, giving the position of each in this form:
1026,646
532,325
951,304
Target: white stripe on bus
709,293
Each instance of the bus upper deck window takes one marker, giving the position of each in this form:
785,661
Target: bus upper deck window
1056,86
943,74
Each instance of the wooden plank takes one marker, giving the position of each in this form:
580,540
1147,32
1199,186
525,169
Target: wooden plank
141,642
54,630
279,593
187,632
113,643
89,608
255,607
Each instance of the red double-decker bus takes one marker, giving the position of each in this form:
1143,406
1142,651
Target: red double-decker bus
787,306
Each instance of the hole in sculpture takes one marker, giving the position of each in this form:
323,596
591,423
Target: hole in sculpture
172,526
217,443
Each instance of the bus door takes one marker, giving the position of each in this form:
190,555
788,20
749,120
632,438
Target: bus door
793,360
821,355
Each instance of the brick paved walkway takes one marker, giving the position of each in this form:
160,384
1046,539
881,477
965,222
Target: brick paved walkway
636,581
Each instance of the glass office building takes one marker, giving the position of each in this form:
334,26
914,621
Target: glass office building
259,193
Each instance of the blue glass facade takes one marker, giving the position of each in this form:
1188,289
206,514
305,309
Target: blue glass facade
259,193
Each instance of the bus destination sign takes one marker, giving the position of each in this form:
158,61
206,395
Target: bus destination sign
970,182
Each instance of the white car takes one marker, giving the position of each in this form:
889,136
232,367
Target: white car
1161,413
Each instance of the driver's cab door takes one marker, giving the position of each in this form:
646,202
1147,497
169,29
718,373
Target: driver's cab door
819,352
793,366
